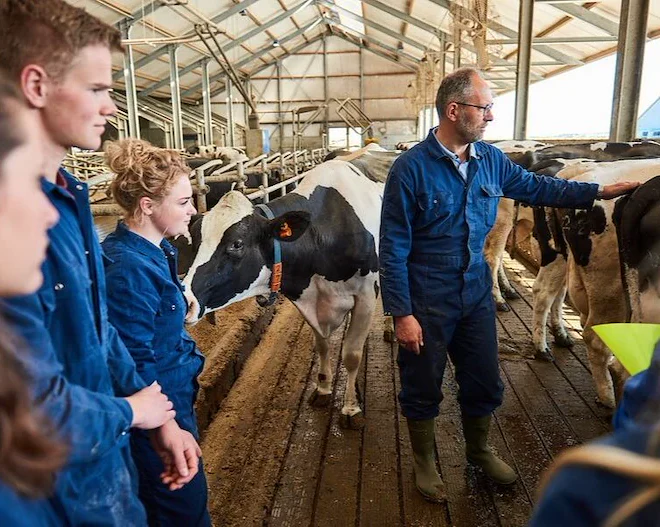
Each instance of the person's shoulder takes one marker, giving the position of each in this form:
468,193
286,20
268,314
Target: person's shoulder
411,159
485,148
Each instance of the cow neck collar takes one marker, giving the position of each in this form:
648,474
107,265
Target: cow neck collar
276,275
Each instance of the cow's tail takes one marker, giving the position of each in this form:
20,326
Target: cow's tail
627,217
623,240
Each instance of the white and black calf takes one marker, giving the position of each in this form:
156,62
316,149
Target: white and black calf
328,230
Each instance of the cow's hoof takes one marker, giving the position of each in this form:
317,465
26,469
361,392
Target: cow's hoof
320,400
510,294
564,341
608,403
545,355
352,422
503,307
388,336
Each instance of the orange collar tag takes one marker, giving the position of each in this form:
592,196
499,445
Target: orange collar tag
276,278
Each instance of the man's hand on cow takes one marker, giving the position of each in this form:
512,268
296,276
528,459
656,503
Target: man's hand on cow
618,189
409,333
179,452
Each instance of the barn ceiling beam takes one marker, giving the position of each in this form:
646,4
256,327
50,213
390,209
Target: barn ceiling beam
231,45
596,20
429,28
145,10
375,52
555,40
272,63
399,56
216,20
265,49
375,25
510,33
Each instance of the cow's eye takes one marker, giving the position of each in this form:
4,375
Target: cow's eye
236,248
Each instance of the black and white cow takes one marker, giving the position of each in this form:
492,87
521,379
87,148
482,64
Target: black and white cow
328,230
592,268
637,218
534,155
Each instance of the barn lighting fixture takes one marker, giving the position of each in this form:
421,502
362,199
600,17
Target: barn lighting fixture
276,43
243,12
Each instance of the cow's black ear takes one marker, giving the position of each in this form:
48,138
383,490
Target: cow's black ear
289,226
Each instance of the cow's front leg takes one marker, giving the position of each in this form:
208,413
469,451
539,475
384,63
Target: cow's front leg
562,338
356,335
549,282
322,394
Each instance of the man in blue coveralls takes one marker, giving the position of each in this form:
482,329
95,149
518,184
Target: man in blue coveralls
440,202
83,376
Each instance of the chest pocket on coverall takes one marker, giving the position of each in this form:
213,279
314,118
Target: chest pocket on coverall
490,195
434,209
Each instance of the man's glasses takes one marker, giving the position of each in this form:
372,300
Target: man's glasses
484,109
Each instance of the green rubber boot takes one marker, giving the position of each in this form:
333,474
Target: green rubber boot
427,479
475,430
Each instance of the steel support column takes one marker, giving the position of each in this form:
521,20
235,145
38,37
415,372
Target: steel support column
129,83
176,98
206,102
525,36
629,64
280,118
325,89
230,113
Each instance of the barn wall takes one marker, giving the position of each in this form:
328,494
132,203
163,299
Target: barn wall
302,84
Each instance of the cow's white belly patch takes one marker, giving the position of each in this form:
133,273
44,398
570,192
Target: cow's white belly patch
324,304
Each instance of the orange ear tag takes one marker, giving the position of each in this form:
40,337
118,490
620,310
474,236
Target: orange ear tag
285,231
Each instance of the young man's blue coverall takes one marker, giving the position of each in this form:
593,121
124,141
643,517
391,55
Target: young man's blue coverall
80,368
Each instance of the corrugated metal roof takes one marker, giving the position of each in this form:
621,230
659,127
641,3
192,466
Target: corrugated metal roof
567,34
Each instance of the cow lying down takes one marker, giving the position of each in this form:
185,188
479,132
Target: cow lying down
327,233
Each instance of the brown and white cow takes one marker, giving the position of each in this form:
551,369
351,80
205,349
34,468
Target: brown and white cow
506,217
328,232
592,268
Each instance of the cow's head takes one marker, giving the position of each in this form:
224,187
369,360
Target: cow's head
235,255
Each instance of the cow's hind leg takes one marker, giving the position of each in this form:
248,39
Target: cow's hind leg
323,393
356,335
599,356
549,283
562,338
505,286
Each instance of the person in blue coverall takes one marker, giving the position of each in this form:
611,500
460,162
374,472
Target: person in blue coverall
603,481
83,377
29,458
439,203
147,306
